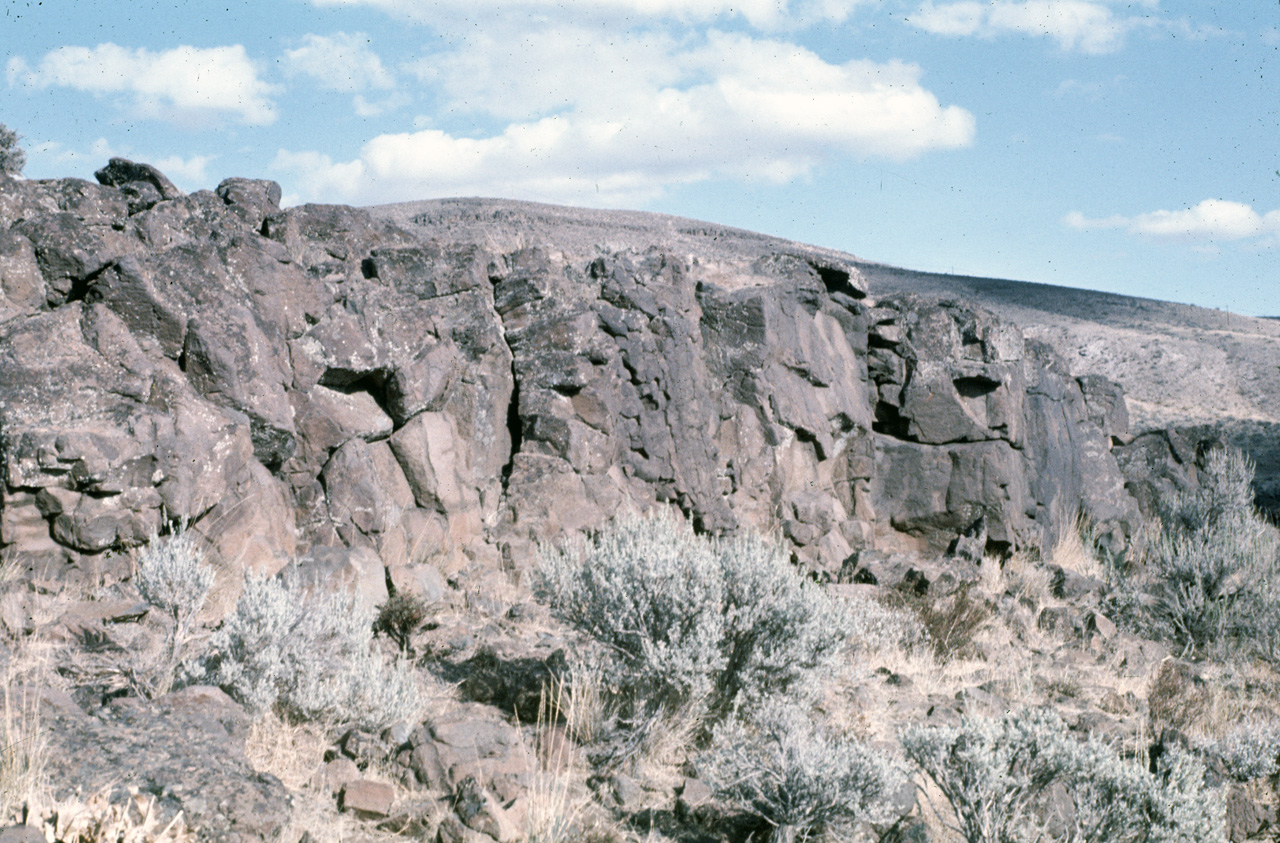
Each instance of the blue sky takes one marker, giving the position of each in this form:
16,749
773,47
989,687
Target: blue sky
1124,146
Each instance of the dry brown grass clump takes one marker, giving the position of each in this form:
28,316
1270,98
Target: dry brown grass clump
24,750
951,623
1073,551
103,819
292,752
558,802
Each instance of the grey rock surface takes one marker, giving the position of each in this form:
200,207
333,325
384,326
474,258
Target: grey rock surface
1180,366
411,398
203,773
454,383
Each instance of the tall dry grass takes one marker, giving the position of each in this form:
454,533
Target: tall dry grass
558,798
24,751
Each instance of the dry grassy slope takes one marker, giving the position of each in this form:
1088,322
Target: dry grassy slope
1179,364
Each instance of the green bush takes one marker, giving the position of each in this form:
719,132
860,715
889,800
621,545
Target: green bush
308,655
1213,569
695,621
400,617
999,776
12,157
783,768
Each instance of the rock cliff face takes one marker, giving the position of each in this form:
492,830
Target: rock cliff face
1190,374
291,381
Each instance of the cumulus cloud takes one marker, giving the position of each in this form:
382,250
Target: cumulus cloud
189,173
184,85
341,62
554,68
1210,220
661,113
377,107
1089,26
764,14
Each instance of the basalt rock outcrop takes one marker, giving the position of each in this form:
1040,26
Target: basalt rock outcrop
1192,376
314,379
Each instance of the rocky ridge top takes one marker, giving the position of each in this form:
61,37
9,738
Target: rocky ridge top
454,382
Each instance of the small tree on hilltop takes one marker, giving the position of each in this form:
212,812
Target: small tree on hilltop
12,157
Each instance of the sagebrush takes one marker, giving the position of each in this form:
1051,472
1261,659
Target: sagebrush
998,775
172,577
1213,568
800,779
1248,750
308,655
722,623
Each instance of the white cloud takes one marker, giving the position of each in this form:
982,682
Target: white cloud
1211,220
764,14
377,107
188,173
55,157
593,128
341,62
520,75
1085,25
951,18
185,85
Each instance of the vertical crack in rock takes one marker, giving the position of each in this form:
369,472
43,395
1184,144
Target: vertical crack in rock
515,426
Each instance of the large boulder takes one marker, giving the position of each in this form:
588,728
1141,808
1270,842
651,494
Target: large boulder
120,172
187,750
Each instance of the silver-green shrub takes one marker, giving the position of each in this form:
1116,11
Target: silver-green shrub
652,592
802,780
998,775
691,620
876,627
782,632
1225,491
1214,568
309,655
1249,750
171,576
